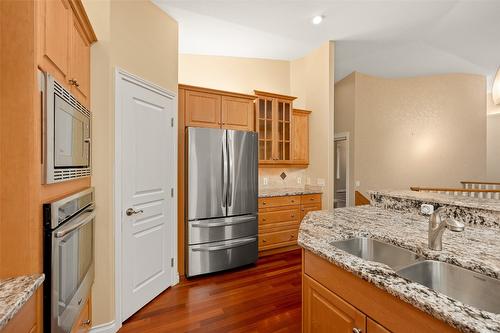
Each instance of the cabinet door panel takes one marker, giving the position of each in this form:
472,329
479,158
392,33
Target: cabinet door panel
237,113
300,138
80,64
374,327
203,109
54,28
325,312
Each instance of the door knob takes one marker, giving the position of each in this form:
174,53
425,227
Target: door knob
131,211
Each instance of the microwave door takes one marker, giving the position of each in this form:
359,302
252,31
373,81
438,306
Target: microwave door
71,131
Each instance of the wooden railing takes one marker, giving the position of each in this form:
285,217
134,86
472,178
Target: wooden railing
478,185
466,192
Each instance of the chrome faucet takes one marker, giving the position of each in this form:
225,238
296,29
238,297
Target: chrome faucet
437,226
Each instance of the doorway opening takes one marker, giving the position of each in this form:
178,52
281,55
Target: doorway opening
341,196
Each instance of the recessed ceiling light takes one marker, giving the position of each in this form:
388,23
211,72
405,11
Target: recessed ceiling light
317,19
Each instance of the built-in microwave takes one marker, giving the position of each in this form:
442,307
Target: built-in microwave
66,133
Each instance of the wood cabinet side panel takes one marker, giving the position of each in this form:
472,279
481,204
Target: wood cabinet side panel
300,138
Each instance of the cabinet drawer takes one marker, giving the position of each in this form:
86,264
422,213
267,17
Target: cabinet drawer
279,226
306,199
83,323
279,201
308,208
277,239
287,214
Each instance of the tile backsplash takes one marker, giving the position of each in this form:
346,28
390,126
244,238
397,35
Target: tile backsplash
295,178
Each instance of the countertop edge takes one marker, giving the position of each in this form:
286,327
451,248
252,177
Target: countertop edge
22,299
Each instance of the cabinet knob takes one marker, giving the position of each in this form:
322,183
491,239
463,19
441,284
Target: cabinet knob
293,215
73,82
86,322
293,201
263,220
356,330
291,236
263,203
263,240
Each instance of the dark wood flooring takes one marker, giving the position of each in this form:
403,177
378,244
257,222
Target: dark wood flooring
265,297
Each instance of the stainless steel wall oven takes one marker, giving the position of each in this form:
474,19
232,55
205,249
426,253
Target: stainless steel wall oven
68,259
66,133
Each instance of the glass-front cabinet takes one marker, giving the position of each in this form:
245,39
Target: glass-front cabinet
274,119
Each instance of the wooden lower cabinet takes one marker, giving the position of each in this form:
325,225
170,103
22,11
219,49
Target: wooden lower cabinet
279,220
325,312
335,300
25,320
84,321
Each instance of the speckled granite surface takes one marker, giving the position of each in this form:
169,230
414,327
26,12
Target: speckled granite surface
474,211
14,293
279,192
477,248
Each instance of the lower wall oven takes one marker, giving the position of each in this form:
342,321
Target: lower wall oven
68,259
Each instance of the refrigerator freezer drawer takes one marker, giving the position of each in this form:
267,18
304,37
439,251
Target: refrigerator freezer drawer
218,256
214,230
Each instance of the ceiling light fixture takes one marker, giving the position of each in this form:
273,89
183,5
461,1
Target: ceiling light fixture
317,19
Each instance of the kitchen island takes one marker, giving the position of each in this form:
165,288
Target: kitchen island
476,249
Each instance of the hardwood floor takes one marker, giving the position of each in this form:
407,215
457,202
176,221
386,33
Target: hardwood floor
265,297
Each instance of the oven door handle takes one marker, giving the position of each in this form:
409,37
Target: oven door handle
72,226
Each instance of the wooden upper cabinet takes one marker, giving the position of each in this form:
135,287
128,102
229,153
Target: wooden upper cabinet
54,29
79,63
237,113
325,312
204,107
300,134
274,125
65,36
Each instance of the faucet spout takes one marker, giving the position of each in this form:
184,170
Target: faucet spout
437,226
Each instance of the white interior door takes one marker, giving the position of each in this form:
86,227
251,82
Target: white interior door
148,177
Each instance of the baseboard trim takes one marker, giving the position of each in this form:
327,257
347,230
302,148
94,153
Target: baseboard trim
111,327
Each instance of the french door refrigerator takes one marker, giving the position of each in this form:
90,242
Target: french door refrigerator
221,209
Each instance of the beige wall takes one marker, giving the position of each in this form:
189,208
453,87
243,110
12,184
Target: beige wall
235,74
493,140
309,78
419,131
140,38
344,120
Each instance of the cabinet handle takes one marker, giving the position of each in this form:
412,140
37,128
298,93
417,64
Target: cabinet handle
264,220
312,199
263,203
86,322
292,236
356,330
292,216
263,240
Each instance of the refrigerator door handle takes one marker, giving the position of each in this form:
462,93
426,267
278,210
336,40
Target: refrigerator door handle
230,170
233,221
225,245
224,169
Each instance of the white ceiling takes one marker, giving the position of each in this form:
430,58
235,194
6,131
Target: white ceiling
465,31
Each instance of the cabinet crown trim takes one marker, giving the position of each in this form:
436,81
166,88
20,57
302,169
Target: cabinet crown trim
81,15
215,91
301,111
273,95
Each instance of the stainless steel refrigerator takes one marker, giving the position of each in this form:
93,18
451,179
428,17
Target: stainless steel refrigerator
222,189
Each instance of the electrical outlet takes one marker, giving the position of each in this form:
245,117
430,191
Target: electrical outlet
321,181
265,180
299,180
426,209
357,183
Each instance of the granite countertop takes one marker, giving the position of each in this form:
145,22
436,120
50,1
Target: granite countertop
444,199
477,249
280,192
14,293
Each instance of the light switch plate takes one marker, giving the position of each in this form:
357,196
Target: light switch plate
357,183
321,181
299,180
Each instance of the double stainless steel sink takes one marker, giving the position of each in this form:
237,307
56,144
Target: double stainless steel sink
468,287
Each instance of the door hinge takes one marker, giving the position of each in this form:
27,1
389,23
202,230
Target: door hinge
172,192
171,262
172,122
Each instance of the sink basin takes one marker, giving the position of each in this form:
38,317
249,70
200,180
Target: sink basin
373,250
458,283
